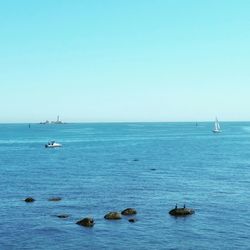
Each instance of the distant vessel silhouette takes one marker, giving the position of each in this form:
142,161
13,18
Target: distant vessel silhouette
46,122
58,121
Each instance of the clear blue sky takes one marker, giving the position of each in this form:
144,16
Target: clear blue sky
124,60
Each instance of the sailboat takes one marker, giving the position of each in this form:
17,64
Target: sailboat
216,126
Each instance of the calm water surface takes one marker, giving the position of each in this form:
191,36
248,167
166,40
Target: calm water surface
95,172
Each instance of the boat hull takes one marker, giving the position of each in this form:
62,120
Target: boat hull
56,145
216,131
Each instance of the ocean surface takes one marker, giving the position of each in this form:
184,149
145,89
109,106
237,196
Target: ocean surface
113,166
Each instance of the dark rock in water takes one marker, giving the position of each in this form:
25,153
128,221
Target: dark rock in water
29,199
55,199
62,216
153,169
129,211
181,211
136,159
113,216
86,222
132,220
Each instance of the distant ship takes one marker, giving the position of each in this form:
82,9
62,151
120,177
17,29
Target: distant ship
46,122
53,122
57,121
217,128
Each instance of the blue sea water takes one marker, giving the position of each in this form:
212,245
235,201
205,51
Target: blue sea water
112,166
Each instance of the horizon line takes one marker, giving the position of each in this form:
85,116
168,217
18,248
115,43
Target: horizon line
83,122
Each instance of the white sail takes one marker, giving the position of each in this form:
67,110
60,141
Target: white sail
216,126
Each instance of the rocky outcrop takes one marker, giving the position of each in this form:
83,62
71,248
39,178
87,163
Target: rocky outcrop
54,199
129,211
29,199
86,222
132,220
181,211
113,216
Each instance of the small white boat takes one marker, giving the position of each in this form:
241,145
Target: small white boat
53,144
216,126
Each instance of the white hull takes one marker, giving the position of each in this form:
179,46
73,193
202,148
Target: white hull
53,145
217,131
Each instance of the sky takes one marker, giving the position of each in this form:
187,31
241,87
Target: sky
124,60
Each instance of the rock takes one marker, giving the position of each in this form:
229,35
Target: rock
86,222
55,199
181,211
113,216
136,159
62,216
129,211
29,199
152,169
132,220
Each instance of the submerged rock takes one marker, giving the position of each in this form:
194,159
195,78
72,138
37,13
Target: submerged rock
129,211
29,199
62,216
55,199
152,169
181,211
86,222
113,216
132,220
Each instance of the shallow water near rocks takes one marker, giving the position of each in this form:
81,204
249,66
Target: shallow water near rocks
108,167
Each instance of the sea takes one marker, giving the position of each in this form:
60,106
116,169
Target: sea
105,167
